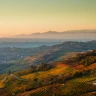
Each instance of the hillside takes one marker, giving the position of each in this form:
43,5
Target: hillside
14,59
71,79
10,57
56,52
55,80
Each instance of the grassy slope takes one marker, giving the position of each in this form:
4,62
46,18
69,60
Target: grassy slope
61,89
58,70
2,80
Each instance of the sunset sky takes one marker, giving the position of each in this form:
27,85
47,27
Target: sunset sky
30,16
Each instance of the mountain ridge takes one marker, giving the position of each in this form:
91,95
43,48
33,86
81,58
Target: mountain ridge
60,35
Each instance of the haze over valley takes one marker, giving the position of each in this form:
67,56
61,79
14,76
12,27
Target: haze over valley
48,38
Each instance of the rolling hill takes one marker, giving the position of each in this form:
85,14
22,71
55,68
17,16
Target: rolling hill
22,58
64,79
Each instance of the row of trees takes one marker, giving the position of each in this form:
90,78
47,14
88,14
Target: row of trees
41,67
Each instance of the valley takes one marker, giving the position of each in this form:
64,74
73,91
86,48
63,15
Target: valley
14,58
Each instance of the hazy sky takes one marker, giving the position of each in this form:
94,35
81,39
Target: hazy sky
29,16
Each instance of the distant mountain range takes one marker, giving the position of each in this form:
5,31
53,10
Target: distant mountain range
74,34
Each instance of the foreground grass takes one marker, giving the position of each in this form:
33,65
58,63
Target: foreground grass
2,80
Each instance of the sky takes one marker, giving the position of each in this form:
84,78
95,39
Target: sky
30,16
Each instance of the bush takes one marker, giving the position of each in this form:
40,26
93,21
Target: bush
44,67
